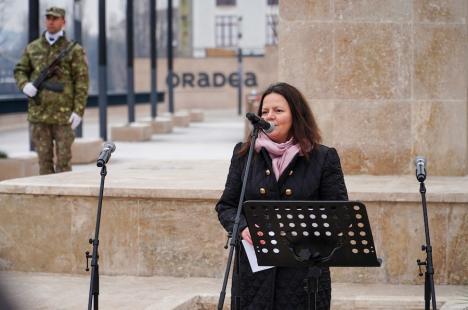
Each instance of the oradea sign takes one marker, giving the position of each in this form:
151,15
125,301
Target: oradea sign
214,79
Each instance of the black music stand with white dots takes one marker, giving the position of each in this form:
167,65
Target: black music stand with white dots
311,234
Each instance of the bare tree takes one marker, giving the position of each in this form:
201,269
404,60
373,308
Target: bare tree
3,18
117,57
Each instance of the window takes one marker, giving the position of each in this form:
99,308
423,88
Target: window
272,2
226,30
225,2
271,29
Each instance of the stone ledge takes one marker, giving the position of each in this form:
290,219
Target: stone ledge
159,125
196,115
85,150
131,132
205,179
181,119
19,165
140,205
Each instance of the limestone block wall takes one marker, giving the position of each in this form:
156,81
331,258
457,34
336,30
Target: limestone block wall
182,237
49,233
387,80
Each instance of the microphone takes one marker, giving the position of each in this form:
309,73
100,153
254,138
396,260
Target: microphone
420,162
259,122
107,150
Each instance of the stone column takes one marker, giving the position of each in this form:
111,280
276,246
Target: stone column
387,80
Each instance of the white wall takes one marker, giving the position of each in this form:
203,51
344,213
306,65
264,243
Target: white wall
203,25
253,24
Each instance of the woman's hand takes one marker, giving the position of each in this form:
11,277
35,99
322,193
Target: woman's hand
245,234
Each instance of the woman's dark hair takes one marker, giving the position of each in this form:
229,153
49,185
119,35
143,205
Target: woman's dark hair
304,127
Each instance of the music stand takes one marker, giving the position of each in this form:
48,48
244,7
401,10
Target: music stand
311,234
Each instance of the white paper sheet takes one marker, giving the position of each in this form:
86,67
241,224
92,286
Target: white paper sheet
250,251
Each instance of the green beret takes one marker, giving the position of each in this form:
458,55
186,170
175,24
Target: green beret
55,11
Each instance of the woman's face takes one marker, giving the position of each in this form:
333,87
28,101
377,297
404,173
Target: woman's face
276,110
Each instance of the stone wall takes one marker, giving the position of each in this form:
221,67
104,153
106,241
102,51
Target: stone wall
183,238
387,80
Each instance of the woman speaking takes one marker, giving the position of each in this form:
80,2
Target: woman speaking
289,164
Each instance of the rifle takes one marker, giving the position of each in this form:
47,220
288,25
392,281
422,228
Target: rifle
41,81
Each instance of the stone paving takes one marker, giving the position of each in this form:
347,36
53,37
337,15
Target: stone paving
60,291
212,139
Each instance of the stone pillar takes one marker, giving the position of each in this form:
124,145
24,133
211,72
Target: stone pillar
387,80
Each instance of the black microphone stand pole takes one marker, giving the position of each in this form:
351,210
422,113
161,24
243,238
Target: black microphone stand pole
234,244
429,289
94,284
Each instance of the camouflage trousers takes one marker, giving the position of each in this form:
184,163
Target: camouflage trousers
43,136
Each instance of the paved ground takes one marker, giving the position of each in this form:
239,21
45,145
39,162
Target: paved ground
59,291
212,139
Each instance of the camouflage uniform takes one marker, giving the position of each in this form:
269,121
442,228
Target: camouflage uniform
48,111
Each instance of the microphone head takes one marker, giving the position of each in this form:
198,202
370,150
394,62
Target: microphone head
269,129
256,120
251,116
420,160
110,146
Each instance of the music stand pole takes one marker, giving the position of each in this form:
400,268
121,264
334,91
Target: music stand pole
94,283
429,289
234,244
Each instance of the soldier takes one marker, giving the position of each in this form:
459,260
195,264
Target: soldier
54,113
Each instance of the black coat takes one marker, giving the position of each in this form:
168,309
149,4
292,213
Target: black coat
318,178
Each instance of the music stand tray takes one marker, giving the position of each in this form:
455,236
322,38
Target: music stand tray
311,233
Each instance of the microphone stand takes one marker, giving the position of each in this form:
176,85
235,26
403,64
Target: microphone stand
429,289
234,244
94,284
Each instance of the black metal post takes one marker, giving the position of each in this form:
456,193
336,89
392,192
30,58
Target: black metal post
130,61
154,58
241,81
170,82
33,20
102,59
77,13
33,34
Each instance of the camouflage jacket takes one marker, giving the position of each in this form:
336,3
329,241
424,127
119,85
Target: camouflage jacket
48,106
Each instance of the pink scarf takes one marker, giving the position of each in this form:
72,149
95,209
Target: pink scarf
280,153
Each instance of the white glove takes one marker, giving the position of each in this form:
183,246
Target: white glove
29,90
74,120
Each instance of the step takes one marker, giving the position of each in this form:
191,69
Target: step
85,150
132,132
160,124
196,116
19,165
68,291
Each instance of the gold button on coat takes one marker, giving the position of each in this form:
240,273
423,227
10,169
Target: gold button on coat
267,172
288,192
262,191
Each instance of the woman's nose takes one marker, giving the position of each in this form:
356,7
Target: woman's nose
269,116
